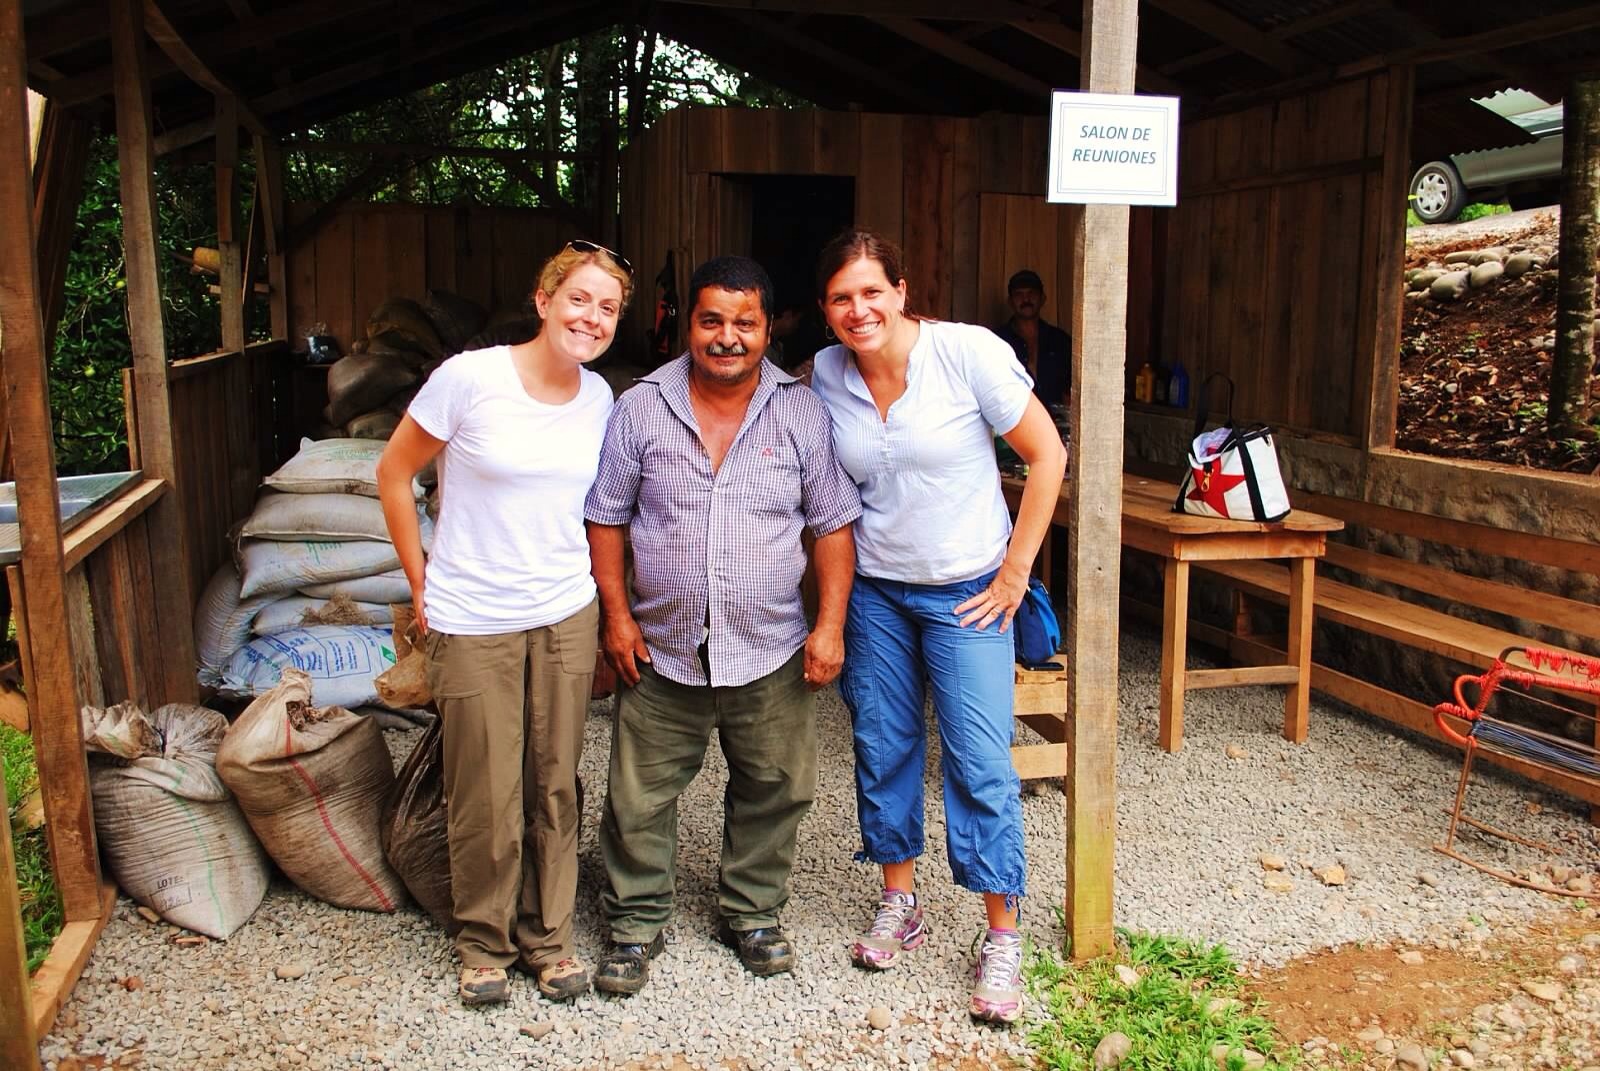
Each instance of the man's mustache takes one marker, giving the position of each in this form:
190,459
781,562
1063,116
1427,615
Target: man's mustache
717,349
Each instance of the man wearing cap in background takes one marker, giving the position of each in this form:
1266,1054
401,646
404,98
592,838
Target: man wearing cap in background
1043,348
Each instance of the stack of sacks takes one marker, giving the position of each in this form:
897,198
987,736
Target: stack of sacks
312,581
368,391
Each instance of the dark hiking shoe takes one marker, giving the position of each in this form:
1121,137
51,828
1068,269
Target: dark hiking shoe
625,968
563,980
484,985
763,951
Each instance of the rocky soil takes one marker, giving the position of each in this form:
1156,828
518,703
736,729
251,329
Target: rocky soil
1477,335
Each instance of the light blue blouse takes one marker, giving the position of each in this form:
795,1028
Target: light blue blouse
930,489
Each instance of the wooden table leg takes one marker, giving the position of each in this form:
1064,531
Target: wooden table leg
1297,706
1174,650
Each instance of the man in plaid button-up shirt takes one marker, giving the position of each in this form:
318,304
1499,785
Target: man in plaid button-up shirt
714,463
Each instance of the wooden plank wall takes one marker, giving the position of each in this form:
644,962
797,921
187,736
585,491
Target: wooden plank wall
963,197
1265,277
367,253
229,413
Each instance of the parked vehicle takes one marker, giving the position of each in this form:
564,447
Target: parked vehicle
1526,175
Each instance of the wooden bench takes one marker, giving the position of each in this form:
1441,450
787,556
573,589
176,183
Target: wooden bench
1397,617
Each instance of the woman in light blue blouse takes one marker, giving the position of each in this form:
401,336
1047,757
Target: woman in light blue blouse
914,404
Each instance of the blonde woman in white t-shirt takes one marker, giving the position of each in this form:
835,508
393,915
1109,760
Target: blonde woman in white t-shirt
510,613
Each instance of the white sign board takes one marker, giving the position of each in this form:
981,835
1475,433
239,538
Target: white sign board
1113,149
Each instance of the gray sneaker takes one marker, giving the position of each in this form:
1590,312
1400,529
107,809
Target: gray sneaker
897,928
997,990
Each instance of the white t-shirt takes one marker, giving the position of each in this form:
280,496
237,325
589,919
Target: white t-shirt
509,551
932,510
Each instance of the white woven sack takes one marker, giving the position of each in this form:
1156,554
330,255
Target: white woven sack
339,661
273,568
385,588
222,622
323,516
341,466
289,612
172,835
312,781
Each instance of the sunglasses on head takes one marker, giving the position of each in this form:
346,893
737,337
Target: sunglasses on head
579,245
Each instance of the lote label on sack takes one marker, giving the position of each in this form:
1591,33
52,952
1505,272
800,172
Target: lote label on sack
172,890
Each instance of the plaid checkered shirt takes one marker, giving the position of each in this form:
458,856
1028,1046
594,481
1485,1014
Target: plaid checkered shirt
720,547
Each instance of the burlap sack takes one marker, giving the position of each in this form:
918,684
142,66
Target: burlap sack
312,783
173,837
405,684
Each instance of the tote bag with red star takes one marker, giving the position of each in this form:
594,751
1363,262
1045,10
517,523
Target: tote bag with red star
1233,470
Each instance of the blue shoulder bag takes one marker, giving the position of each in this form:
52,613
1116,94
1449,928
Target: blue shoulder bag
1034,628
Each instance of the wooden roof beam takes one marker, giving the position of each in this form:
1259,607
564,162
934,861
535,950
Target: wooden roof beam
964,54
1333,16
944,10
1229,29
1548,84
373,66
1065,39
256,33
1510,36
160,29
791,37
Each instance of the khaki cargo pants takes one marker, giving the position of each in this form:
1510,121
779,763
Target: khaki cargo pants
513,707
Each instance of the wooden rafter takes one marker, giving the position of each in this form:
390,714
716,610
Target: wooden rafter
1066,39
1428,29
1508,36
788,37
1287,31
356,148
943,10
166,36
228,41
1229,29
964,54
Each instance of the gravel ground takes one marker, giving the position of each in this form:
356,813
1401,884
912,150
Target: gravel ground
380,990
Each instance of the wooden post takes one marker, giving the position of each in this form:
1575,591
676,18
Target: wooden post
269,179
19,1049
53,696
230,272
168,540
1383,255
1100,264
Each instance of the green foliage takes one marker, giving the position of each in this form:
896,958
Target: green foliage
563,100
41,907
1478,210
92,347
1165,1014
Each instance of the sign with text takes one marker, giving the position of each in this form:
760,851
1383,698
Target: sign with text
1113,149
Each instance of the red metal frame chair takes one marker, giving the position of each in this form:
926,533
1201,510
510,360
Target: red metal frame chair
1536,670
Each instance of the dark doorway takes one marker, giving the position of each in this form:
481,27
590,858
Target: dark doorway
792,217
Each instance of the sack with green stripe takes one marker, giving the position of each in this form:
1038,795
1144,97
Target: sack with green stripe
173,835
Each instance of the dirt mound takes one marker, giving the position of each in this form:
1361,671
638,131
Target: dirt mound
1474,373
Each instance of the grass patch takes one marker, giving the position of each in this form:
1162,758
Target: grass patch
41,906
1476,210
1188,999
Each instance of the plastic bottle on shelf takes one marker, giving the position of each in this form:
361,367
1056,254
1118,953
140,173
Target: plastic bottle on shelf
1160,385
1178,387
1144,384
